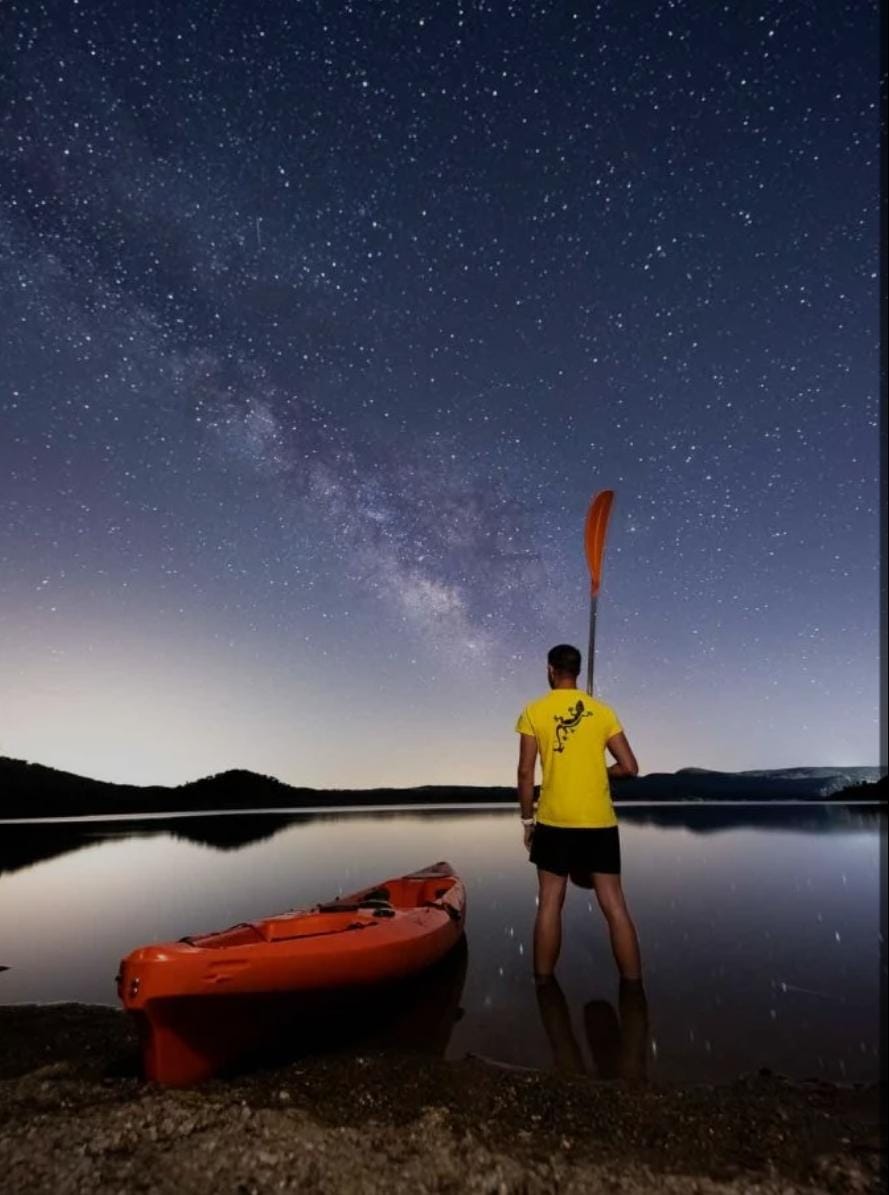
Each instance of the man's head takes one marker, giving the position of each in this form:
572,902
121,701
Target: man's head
562,664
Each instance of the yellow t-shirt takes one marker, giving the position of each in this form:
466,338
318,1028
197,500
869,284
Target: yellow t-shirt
571,729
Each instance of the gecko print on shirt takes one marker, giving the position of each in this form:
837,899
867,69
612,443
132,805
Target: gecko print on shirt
566,726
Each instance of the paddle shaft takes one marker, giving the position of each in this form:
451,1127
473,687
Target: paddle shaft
591,651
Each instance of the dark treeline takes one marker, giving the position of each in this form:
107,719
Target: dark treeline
29,790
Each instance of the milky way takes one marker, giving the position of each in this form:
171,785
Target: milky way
323,322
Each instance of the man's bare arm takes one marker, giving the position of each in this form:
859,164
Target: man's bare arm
626,764
525,778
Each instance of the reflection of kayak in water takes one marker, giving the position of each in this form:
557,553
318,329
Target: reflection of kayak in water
413,1016
204,1002
424,1010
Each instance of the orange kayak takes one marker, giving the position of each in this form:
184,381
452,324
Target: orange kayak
204,1002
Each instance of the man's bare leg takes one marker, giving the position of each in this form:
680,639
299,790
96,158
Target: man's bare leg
624,942
548,923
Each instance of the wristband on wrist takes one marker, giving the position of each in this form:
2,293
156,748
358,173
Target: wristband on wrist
527,821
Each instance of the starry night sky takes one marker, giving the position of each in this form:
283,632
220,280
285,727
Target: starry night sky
321,323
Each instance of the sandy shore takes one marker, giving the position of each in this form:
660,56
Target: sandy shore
75,1117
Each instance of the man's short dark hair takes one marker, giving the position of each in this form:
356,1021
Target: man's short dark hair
564,659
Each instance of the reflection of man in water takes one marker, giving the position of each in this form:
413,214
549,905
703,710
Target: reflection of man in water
618,1047
575,831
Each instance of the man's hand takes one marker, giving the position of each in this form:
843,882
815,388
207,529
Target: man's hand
528,836
626,764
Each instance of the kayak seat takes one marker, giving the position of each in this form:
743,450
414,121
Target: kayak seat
376,898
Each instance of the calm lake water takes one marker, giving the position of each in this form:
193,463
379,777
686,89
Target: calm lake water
760,926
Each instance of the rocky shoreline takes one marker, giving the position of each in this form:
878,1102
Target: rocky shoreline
76,1117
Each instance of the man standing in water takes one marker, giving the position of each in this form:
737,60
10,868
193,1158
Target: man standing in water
575,831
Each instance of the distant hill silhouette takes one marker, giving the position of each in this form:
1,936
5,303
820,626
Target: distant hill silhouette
30,790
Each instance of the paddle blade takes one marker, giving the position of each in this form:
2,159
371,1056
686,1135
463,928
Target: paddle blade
594,535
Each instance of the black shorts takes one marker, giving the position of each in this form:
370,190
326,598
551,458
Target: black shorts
565,851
